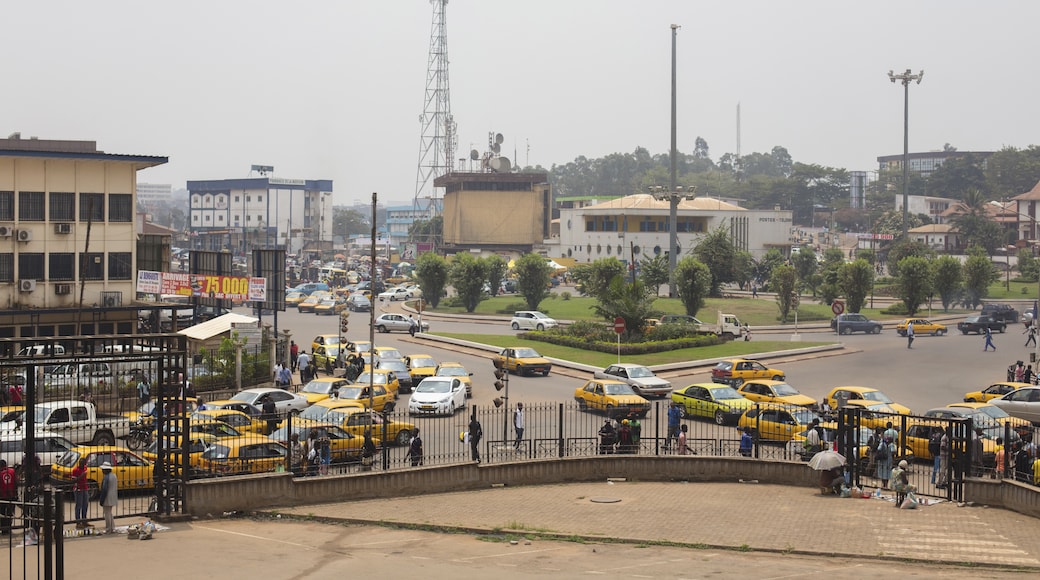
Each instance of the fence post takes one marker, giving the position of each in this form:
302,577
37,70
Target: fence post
559,434
657,428
46,528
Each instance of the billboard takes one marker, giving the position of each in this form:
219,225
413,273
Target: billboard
236,288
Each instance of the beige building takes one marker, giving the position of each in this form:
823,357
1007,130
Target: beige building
68,238
939,237
499,212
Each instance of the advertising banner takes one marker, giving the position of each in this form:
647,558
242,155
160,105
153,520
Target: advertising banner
236,288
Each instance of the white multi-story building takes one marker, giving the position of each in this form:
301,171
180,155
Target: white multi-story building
151,194
261,212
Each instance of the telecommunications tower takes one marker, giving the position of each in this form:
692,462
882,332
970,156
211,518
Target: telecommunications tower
438,139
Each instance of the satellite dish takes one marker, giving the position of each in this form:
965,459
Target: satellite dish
474,154
496,147
499,138
500,164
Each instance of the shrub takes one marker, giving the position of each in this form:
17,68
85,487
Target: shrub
565,295
898,309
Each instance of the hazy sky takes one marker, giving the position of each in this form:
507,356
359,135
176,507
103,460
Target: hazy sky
333,89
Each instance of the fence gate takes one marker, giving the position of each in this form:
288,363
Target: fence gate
79,397
915,439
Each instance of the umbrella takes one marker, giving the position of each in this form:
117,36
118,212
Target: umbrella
340,257
826,460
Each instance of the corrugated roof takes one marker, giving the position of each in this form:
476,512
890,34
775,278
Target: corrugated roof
647,201
1031,195
933,229
218,325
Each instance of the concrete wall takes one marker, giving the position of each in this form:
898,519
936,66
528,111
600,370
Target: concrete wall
1013,495
215,496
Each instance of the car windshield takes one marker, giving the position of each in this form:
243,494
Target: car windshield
539,315
349,392
723,393
526,353
395,365
452,372
389,353
328,302
784,390
317,388
876,396
244,396
216,451
421,362
376,378
434,387
639,373
804,416
315,412
994,412
618,389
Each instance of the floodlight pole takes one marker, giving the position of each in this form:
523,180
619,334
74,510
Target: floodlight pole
372,310
905,78
673,206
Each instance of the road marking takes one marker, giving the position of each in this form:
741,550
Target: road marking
256,537
506,554
388,542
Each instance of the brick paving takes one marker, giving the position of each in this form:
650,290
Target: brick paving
722,515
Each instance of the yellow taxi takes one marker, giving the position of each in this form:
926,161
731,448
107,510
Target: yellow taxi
330,306
522,361
994,391
132,471
996,413
359,346
379,377
145,415
359,393
796,446
320,410
766,391
769,422
850,393
387,353
12,412
875,414
293,299
615,399
244,454
322,388
240,421
735,371
324,340
420,366
325,356
722,403
345,446
197,443
454,369
356,420
213,427
309,303
921,326
919,433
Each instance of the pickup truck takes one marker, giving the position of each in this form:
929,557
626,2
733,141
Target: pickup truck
728,326
77,421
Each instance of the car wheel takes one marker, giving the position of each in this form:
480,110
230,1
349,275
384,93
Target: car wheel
941,332
520,370
295,412
964,332
381,328
404,437
540,327
877,330
104,438
1002,329
582,405
845,330
545,373
720,417
516,326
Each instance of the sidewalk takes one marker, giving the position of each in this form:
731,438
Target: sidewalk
737,516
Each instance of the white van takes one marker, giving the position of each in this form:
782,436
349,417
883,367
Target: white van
38,350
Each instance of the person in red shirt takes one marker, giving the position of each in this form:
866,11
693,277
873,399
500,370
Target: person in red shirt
81,493
8,496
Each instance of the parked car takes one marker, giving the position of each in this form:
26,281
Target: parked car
131,470
397,322
437,396
322,388
734,372
849,323
49,447
245,454
284,401
1002,312
994,391
776,422
921,326
641,379
522,361
679,319
614,398
722,403
767,391
1023,403
394,294
978,322
400,370
531,320
359,303
851,393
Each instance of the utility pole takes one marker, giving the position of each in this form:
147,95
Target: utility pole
905,78
673,206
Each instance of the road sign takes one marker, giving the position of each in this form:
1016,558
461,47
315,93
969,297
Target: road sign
837,307
619,325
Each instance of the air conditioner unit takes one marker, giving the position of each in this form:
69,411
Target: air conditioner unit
24,235
63,228
6,231
112,299
27,285
63,289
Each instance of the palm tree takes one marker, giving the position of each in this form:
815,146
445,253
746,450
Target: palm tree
632,301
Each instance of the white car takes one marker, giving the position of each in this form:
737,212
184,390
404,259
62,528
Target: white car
531,320
49,447
284,401
1023,403
393,294
641,379
437,396
392,322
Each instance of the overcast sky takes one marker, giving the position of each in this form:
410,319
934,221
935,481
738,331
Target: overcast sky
333,89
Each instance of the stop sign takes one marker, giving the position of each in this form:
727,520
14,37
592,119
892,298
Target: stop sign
619,325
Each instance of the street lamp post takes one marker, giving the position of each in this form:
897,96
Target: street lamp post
673,212
905,78
673,198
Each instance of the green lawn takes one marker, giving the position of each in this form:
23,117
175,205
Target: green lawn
1019,290
601,359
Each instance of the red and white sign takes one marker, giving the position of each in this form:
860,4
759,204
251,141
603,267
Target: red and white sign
837,307
619,325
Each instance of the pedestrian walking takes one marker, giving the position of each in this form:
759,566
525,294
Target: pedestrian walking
296,455
1020,372
1027,376
518,425
303,362
412,326
80,492
681,440
1031,332
674,417
294,355
368,451
883,458
109,496
989,341
143,389
270,411
415,449
747,442
942,480
909,335
475,433
8,496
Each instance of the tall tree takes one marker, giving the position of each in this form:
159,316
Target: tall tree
593,279
693,283
978,275
431,271
532,279
630,301
806,264
496,269
716,251
348,222
467,275
915,282
654,272
946,279
784,282
856,279
904,248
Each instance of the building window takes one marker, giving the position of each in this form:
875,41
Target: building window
7,206
91,207
207,218
7,267
63,206
91,266
220,218
119,266
195,218
62,266
259,199
590,225
30,266
249,199
120,207
236,199
30,206
236,218
249,218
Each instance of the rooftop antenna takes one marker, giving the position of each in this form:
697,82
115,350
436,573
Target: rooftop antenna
437,140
